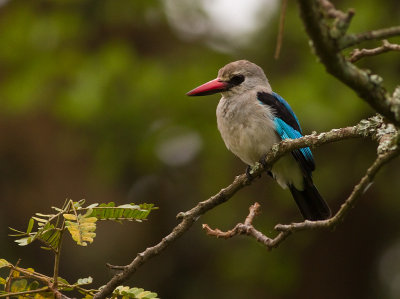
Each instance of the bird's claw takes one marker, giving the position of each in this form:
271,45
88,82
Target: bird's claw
250,172
262,161
251,169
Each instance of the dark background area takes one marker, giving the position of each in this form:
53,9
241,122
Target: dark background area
93,106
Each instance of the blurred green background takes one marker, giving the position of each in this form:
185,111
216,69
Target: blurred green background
93,105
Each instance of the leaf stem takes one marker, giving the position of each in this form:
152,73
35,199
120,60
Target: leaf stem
57,252
43,289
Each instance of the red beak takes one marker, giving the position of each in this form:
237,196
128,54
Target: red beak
210,87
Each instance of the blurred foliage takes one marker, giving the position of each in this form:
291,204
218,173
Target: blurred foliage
93,105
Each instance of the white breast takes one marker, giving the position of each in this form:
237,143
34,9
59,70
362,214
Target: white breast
246,127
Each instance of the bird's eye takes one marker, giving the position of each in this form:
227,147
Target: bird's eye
236,80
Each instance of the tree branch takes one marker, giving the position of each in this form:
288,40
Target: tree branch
357,54
354,39
372,128
327,47
341,20
246,228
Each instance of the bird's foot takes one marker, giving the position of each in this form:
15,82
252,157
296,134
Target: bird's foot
262,161
250,172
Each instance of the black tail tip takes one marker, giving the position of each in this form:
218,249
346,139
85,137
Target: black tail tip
311,204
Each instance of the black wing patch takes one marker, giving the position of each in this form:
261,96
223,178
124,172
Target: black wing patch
280,110
307,165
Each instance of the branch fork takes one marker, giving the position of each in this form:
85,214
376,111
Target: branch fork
248,229
240,228
357,54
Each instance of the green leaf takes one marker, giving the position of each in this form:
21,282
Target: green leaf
83,281
64,284
19,285
33,285
19,233
92,206
40,219
135,293
82,229
30,225
62,280
24,241
47,233
130,212
4,263
70,217
78,204
46,215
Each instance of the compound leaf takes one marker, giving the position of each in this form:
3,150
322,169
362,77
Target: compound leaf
130,212
82,229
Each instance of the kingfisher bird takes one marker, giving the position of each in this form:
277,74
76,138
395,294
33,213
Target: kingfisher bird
251,118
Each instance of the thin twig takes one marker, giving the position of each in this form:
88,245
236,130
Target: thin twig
240,228
331,11
357,54
57,251
7,287
328,49
341,20
248,229
281,29
18,294
379,34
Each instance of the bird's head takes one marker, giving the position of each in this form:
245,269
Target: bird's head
234,78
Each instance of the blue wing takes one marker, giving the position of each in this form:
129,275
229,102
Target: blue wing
287,126
285,131
287,106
